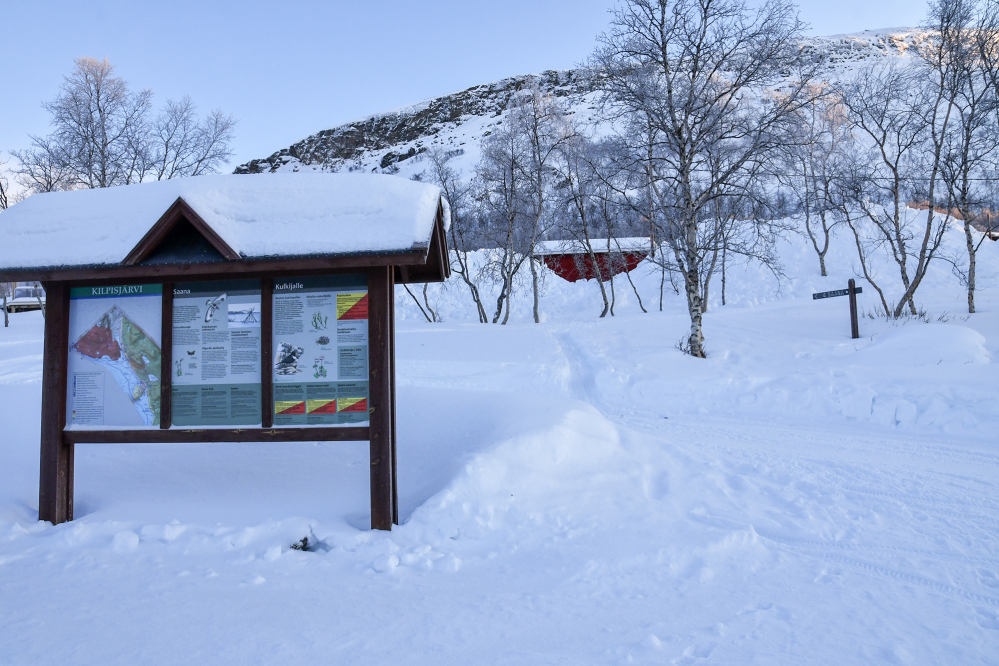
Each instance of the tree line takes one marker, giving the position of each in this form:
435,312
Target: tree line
104,134
716,137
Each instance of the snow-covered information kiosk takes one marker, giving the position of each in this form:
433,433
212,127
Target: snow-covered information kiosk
223,308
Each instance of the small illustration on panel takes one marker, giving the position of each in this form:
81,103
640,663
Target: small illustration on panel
244,315
213,304
319,321
287,359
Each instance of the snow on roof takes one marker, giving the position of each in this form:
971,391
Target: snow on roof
259,216
599,245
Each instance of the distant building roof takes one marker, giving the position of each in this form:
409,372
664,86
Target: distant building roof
266,216
599,245
571,259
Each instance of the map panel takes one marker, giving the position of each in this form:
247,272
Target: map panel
114,364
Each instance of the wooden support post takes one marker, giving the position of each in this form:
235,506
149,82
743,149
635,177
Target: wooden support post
55,486
380,397
266,353
395,474
166,358
854,321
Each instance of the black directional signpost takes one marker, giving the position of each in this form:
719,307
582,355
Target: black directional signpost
852,292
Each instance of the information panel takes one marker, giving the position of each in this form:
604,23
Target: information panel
216,354
321,351
114,359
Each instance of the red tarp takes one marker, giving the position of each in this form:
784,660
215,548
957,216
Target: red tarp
573,267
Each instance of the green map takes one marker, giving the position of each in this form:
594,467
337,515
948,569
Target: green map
120,346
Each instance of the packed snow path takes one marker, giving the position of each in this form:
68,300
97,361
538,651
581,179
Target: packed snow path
573,492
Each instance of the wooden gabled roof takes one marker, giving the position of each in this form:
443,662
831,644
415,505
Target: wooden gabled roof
177,223
195,238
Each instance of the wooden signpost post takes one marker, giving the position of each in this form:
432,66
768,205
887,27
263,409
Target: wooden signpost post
852,290
187,339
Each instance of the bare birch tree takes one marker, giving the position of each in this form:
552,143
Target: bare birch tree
577,203
502,199
888,106
6,291
540,120
812,167
4,187
104,135
699,75
98,126
463,233
972,147
183,145
41,169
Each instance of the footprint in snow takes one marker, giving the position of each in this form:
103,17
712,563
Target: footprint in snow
987,578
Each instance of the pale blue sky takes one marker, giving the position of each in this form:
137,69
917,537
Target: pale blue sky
287,69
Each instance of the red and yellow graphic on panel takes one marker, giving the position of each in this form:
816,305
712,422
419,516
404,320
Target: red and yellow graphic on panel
321,406
289,407
352,405
352,306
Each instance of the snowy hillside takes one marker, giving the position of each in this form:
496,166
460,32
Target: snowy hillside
392,142
576,491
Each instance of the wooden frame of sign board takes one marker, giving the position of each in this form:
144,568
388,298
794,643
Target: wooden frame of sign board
175,250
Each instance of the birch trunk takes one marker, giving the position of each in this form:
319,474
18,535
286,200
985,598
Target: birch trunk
426,301
724,257
627,274
417,301
593,256
472,287
534,286
707,279
815,243
506,314
483,319
38,295
499,302
692,279
863,265
694,308
971,265
662,285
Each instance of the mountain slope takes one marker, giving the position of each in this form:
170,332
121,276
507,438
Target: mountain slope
392,142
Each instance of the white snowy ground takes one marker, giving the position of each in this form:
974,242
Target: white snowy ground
573,492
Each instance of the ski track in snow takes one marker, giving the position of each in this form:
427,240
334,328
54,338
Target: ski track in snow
922,505
572,492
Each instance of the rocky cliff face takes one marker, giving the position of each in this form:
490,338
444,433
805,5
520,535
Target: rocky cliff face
400,135
393,142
